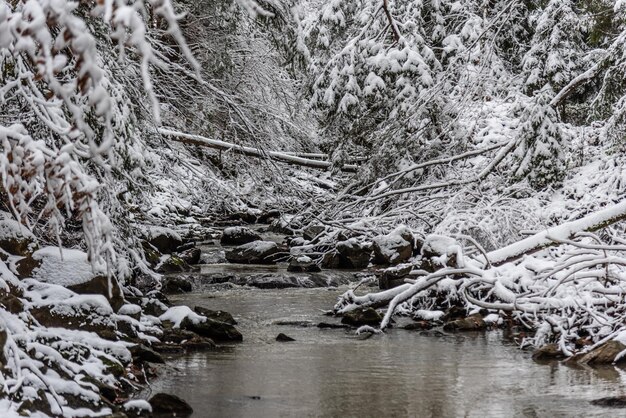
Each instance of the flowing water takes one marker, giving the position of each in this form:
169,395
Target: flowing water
332,373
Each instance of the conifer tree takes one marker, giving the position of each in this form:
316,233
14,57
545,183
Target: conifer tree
541,143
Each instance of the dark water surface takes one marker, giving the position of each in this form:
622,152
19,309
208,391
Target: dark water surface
331,373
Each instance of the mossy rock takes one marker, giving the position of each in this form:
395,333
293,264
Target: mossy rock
150,253
172,264
113,367
362,316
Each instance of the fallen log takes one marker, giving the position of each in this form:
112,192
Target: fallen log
592,222
284,157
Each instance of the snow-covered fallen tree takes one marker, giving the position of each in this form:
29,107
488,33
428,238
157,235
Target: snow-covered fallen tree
565,284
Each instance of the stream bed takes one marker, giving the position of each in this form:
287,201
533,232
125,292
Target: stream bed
331,372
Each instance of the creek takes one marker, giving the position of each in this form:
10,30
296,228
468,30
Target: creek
332,372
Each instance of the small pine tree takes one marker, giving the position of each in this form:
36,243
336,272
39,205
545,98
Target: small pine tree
556,48
540,153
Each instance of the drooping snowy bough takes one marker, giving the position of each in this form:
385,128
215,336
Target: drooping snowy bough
567,284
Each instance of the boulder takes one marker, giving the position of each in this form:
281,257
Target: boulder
244,217
548,352
216,256
143,353
334,260
303,263
603,354
99,285
418,326
176,335
72,269
611,402
310,232
237,235
357,253
81,317
130,309
176,284
280,226
172,264
190,256
442,251
24,267
11,303
362,316
215,330
137,408
198,343
471,323
16,239
394,276
165,240
394,248
169,405
268,217
221,316
283,338
150,253
154,307
256,252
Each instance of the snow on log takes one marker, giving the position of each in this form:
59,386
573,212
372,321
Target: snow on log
543,239
284,157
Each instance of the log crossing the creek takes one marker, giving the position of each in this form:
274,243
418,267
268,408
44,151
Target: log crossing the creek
285,157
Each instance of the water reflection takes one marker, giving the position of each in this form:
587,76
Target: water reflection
330,373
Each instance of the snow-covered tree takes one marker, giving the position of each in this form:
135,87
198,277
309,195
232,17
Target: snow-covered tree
541,150
556,52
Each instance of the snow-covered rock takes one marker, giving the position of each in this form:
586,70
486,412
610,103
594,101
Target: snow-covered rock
256,252
442,250
70,268
357,253
394,248
302,263
165,240
16,239
237,235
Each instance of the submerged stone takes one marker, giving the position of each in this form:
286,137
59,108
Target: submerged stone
548,352
471,323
